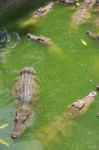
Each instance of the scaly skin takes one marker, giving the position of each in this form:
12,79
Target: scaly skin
24,91
25,88
79,107
42,11
83,12
61,127
41,39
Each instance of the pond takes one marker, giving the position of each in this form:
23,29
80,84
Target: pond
66,71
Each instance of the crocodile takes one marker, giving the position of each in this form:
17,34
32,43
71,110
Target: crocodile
42,11
41,39
62,126
24,91
92,35
83,12
80,106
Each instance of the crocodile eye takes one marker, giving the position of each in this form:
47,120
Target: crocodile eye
23,121
16,120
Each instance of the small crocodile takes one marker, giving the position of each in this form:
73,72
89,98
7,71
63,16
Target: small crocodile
42,11
24,91
41,39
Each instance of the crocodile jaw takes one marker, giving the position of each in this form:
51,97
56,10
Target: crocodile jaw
21,119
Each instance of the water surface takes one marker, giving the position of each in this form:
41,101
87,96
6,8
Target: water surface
66,71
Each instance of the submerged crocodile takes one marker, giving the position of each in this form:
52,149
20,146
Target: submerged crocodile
42,11
62,126
80,106
92,35
41,39
24,91
83,12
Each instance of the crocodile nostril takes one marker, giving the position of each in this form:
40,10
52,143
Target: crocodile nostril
14,136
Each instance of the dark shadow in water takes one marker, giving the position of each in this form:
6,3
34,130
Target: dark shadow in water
10,10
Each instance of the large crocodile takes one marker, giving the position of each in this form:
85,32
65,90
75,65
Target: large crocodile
83,12
61,127
24,91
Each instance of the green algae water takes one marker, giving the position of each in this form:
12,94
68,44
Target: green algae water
66,71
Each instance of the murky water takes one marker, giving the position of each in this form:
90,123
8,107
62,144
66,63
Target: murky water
66,71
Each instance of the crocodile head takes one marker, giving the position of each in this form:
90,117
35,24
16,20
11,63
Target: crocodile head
28,70
21,119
